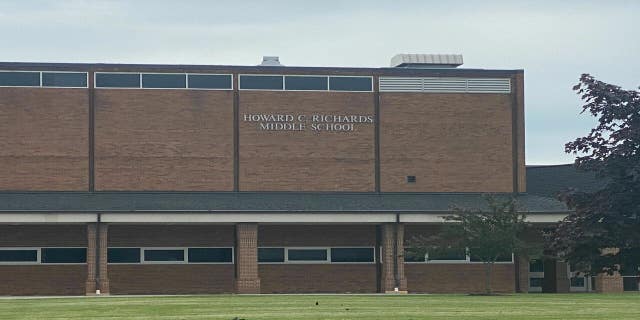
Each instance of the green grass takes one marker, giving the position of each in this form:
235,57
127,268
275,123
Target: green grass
522,306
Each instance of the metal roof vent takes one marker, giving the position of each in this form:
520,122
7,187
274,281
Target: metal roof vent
426,60
271,61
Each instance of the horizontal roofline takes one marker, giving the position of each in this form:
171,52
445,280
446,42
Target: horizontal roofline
549,165
287,69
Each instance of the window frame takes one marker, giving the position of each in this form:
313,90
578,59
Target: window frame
328,250
63,263
240,75
41,85
186,75
185,252
353,76
9,263
304,75
467,260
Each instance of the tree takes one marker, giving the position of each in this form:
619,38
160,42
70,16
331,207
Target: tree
604,228
488,235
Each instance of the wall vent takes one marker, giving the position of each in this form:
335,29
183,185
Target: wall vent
411,179
450,84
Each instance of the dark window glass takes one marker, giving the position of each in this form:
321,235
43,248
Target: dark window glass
448,254
210,255
577,282
504,258
305,83
414,254
536,266
63,255
123,255
164,80
307,254
20,79
117,80
163,255
64,79
210,81
270,254
352,254
261,82
411,179
19,255
350,83
535,282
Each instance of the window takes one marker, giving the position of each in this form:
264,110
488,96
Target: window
535,282
64,79
447,254
306,83
64,255
536,265
260,82
164,81
123,255
117,80
270,254
19,79
210,81
350,83
211,255
577,282
411,179
301,255
352,255
163,255
18,255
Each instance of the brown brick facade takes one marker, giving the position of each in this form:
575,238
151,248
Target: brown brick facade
164,140
306,160
44,139
449,142
458,278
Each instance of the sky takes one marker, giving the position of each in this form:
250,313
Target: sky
553,41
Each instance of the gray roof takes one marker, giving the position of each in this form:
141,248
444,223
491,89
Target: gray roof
548,181
257,202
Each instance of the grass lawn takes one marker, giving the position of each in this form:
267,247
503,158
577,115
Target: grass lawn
520,306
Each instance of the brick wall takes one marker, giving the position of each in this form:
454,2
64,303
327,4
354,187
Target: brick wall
44,139
450,142
164,140
171,235
306,160
171,279
318,278
43,279
458,278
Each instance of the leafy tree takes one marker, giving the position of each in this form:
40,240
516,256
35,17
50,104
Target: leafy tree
604,228
487,234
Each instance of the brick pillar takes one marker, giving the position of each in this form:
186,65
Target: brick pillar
247,280
103,276
606,283
523,273
388,276
402,280
90,284
563,282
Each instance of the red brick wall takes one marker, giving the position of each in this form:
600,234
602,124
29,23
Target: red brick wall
164,140
458,278
171,278
43,279
44,139
450,142
318,278
306,160
171,235
316,235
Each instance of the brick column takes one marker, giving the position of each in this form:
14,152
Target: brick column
90,284
402,280
563,282
606,283
523,273
388,276
103,276
247,280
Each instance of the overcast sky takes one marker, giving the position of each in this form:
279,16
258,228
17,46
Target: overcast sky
553,41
